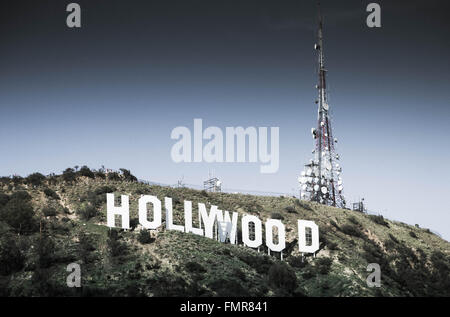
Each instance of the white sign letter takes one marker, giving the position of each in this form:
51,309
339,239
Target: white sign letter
270,223
169,216
112,211
246,234
143,212
188,219
302,225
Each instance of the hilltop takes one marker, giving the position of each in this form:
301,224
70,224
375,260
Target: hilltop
48,222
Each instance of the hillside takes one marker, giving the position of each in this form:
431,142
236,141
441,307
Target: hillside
48,222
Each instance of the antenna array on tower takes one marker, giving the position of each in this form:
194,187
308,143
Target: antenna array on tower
321,179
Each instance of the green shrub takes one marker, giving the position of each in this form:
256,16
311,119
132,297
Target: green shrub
5,180
69,175
277,215
45,252
11,258
309,273
20,195
87,211
17,180
372,253
324,265
353,220
105,190
86,171
379,220
134,222
351,230
115,246
334,224
332,246
393,238
19,214
194,267
113,176
127,175
283,277
413,234
35,179
290,209
98,197
297,262
86,247
237,272
144,237
51,193
261,263
4,198
303,205
228,287
49,211
100,174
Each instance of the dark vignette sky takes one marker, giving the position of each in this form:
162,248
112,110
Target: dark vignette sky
111,92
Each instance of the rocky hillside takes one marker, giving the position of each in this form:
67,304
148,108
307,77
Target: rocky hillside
49,222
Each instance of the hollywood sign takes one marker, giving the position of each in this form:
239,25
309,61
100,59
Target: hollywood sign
214,221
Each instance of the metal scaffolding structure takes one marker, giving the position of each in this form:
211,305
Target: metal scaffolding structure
212,184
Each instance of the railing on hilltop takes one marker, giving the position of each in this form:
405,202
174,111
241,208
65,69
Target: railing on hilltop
224,190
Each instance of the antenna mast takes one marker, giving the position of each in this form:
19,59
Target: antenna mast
321,181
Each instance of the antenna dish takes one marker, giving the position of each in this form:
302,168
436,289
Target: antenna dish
324,190
326,106
316,188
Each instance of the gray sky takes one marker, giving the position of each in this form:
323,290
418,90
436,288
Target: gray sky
111,92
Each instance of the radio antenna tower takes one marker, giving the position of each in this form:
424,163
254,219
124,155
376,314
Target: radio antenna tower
321,179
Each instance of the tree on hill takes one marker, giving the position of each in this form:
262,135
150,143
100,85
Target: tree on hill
86,171
11,258
69,175
127,175
35,179
19,214
283,277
